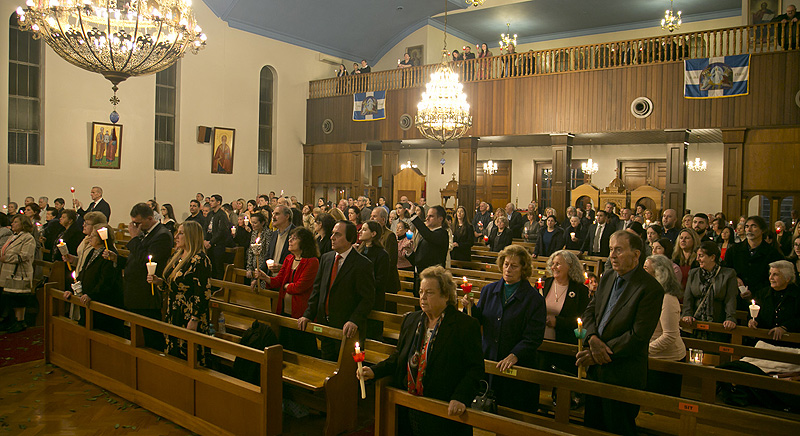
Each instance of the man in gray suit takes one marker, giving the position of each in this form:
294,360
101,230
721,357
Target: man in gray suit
619,322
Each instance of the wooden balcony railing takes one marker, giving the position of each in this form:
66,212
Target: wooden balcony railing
759,38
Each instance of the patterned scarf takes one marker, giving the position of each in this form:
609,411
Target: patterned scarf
418,360
705,311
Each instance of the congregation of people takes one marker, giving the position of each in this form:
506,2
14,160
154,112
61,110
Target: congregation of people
334,263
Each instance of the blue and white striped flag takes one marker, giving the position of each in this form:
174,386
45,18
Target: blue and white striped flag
369,106
723,76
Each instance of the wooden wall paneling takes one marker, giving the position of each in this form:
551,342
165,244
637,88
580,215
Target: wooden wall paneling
770,161
467,161
675,190
562,158
494,189
390,153
732,171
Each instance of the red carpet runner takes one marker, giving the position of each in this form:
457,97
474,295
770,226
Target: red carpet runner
22,347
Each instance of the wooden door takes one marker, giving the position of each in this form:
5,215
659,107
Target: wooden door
635,173
494,189
543,180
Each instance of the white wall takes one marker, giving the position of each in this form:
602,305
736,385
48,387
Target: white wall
429,37
217,87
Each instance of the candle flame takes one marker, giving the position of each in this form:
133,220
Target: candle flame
357,345
465,279
585,275
74,275
579,321
150,258
754,302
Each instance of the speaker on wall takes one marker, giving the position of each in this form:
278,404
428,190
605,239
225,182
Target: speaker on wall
204,134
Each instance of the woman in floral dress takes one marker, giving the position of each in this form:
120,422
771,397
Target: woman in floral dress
187,281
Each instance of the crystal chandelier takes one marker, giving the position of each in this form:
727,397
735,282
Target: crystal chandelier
443,113
590,167
408,164
697,166
671,21
490,167
506,39
116,38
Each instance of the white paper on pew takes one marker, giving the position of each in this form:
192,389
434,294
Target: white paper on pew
770,366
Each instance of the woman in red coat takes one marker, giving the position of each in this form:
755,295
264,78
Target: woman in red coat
294,283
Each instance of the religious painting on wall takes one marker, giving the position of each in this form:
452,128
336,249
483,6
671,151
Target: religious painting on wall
222,154
105,146
417,54
763,11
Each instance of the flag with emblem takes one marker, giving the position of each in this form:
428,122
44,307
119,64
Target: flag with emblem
369,106
722,76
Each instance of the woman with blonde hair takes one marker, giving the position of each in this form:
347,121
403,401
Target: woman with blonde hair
685,254
187,282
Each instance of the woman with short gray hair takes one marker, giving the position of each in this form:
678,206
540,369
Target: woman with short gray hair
780,303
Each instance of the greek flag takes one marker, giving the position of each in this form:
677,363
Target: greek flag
723,76
369,106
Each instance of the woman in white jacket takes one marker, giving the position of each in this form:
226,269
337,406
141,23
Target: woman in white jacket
666,342
16,272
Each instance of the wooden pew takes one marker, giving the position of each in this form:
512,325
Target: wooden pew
740,332
322,385
198,398
238,255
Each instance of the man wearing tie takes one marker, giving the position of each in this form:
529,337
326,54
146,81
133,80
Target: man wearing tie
625,220
596,242
344,290
98,204
619,322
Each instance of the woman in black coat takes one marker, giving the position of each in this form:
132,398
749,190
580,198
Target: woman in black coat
500,237
371,247
551,238
445,365
100,281
463,237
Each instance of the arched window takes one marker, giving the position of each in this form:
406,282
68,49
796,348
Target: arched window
166,109
265,117
24,93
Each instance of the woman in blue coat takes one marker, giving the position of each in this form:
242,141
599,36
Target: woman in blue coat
512,314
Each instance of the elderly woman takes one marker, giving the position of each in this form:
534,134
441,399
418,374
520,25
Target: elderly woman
187,282
500,236
438,356
551,238
72,235
685,253
710,294
780,303
512,314
16,272
99,280
666,342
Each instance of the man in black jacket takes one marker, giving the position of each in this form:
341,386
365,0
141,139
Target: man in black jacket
515,220
602,229
195,214
343,292
432,248
279,241
98,204
218,236
751,258
148,238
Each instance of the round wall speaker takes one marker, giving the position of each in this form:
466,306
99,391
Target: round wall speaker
641,107
327,126
406,122
797,99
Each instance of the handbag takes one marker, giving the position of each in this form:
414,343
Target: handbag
15,282
486,401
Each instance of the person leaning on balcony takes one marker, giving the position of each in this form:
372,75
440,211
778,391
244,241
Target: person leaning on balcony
789,27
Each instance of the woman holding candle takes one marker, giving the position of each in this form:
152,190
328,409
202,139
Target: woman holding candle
575,234
16,272
779,304
463,236
530,231
257,249
243,233
685,254
438,356
710,294
551,238
187,282
666,342
403,241
500,235
323,227
72,236
371,247
512,314
294,282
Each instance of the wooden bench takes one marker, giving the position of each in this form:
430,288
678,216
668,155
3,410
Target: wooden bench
319,384
54,272
198,398
238,254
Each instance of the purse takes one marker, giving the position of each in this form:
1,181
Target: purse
15,282
485,402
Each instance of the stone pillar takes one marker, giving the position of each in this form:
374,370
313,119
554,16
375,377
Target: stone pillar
467,164
390,167
675,190
562,163
732,172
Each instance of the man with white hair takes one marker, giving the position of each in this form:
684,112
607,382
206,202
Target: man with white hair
98,204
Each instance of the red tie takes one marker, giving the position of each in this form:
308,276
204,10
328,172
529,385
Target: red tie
333,277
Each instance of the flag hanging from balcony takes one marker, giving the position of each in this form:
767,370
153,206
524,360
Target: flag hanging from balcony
369,106
723,76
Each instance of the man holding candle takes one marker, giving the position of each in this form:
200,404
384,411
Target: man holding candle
619,322
148,238
751,260
98,203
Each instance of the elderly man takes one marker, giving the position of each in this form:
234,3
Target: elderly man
619,322
515,220
625,219
98,204
789,27
482,219
44,203
279,242
342,205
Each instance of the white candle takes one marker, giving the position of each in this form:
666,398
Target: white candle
103,233
358,348
246,219
572,235
62,247
233,230
360,374
151,266
270,263
754,309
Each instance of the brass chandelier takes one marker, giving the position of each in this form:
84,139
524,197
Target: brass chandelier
115,38
671,22
506,40
443,113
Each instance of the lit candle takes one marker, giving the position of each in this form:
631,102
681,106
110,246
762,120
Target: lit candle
359,358
62,248
647,223
233,230
539,284
247,220
103,233
580,325
572,235
409,235
485,239
270,263
72,190
754,309
579,333
586,281
151,270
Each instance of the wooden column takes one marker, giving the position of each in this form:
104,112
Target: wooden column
308,165
359,178
391,165
467,165
562,162
675,190
732,172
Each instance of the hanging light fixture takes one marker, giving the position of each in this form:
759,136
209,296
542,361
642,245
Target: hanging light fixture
490,167
671,22
506,39
115,38
590,167
443,113
697,166
408,164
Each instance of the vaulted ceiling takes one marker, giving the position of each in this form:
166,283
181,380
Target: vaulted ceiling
368,29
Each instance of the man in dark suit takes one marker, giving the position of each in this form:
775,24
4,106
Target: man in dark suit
619,322
611,217
218,236
596,242
343,292
515,220
625,219
432,248
279,241
148,238
98,204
